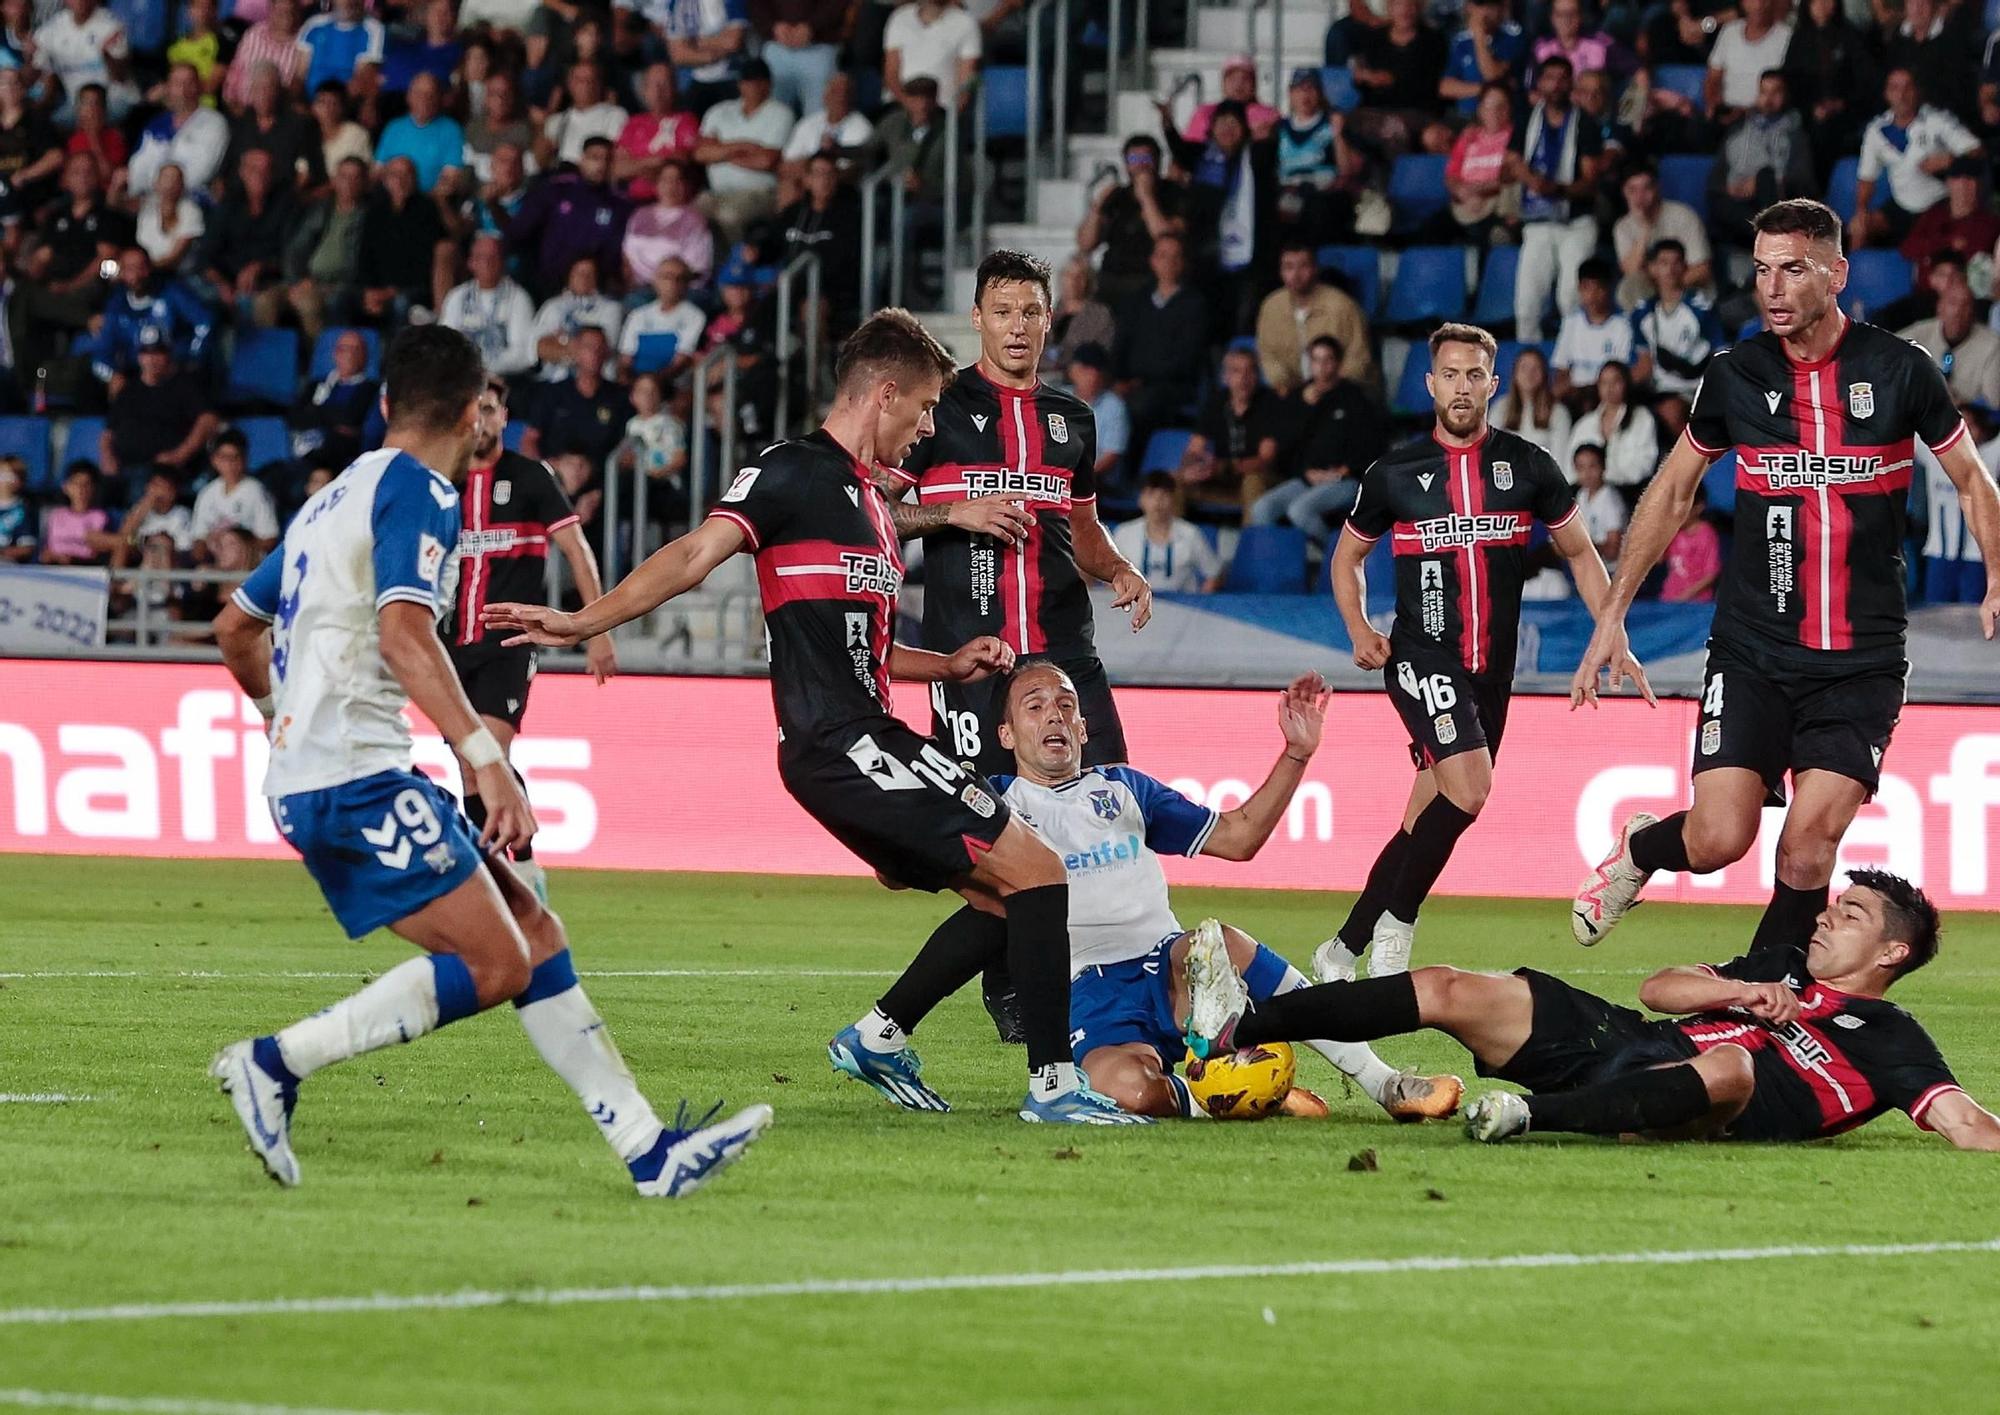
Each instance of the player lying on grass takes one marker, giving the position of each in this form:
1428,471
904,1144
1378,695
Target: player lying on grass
1110,825
1789,1042
332,637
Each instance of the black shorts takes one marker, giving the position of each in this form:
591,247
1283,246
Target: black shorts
1446,709
965,718
897,800
495,678
1576,1038
1771,719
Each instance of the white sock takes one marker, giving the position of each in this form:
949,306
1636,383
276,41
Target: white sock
573,1040
1355,1059
399,1006
533,875
881,1035
1058,1078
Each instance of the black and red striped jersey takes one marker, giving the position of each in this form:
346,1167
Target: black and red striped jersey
828,569
510,513
1846,1060
1823,458
1459,521
1039,444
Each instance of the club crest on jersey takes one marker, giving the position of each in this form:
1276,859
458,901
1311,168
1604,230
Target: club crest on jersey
1503,476
977,801
1058,429
1861,400
1106,806
1848,1020
503,492
1445,728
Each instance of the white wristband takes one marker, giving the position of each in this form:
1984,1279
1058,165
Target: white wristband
265,706
480,749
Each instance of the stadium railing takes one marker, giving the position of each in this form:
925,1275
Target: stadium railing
1058,94
805,265
871,188
1278,75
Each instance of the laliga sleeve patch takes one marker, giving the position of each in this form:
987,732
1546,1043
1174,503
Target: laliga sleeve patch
430,558
740,488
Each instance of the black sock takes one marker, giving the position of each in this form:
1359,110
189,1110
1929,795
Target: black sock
526,849
1662,1098
1661,846
1789,917
952,957
1038,957
1335,1012
475,811
1431,841
1360,925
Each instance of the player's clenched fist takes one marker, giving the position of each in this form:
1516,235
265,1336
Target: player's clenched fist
533,624
1770,1002
982,658
1371,650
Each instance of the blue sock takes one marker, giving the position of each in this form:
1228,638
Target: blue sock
456,996
271,1061
1265,975
553,975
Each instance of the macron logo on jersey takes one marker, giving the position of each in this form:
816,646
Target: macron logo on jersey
1104,855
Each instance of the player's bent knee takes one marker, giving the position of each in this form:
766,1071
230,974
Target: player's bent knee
1806,860
1712,845
1439,988
1728,1072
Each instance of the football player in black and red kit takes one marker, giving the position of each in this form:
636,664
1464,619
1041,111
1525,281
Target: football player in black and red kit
513,509
1459,507
1806,662
829,566
1792,1041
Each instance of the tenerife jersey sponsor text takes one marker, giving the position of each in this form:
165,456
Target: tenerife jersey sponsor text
511,512
1037,444
1459,521
384,530
1823,458
1110,826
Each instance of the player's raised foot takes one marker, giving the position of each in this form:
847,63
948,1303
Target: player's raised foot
1217,998
1333,962
1410,1097
687,1156
1496,1116
1389,947
1081,1106
896,1074
263,1105
1612,889
1303,1104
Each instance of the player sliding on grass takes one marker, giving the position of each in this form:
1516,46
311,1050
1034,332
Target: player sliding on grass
332,636
1110,825
1792,1041
829,568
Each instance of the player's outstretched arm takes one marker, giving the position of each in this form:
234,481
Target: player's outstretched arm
1980,504
1005,518
1097,557
1241,833
981,658
599,652
672,570
1964,1121
1593,586
1350,597
245,641
1683,990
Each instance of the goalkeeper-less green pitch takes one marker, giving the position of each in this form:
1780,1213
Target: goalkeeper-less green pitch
462,1243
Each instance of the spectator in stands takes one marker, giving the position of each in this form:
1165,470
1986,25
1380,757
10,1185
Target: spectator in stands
493,311
589,114
344,44
141,302
434,49
579,305
1745,50
1587,52
289,136
31,317
1234,216
1556,161
672,226
1079,318
83,44
1966,351
1239,86
742,142
1830,72
1531,408
756,401
1767,157
17,518
430,138
158,420
1962,223
340,137
1126,218
1600,507
1089,370
572,214
826,221
1490,50
323,256
75,532
405,262
1694,557
1615,137
1316,165
1303,308
1344,35
187,133
655,442
95,135
1593,334
233,499
501,123
1333,431
79,230
491,210
1649,219
913,136
670,312
802,46
245,249
202,43
31,152
170,222
1626,431
932,39
1672,337
586,412
273,40
1398,69
1935,42
708,41
733,283
1161,357
660,134
329,416
833,127
1232,458
1172,553
1912,145
159,514
1476,175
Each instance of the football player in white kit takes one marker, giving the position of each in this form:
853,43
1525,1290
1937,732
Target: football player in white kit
332,637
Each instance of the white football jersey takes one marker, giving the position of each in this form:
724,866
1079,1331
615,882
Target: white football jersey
1110,826
385,529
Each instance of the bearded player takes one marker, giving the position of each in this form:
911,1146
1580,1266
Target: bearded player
1806,658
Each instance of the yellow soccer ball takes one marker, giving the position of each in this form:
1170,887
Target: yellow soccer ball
1248,1084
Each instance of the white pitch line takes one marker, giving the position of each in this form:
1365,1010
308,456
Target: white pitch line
958,1282
41,1098
153,1404
581,972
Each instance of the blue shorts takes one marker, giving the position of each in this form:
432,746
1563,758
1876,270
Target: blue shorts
1125,1002
379,848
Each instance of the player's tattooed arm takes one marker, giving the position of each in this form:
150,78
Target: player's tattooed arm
913,520
1004,517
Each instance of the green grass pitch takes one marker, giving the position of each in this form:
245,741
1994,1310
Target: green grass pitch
461,1164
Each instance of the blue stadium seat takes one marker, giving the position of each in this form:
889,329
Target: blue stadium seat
1411,400
1875,278
1688,80
1840,189
1362,268
1006,91
655,351
322,360
1164,450
269,441
1684,178
1416,190
81,445
1269,560
1429,286
1719,482
513,435
1752,327
1336,81
265,368
145,23
28,439
1495,302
